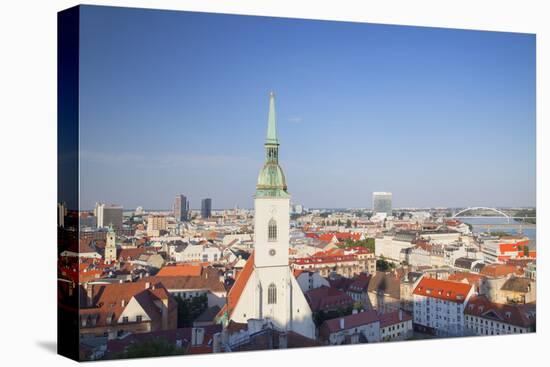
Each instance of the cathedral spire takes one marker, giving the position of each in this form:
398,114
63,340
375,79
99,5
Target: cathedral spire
271,122
271,181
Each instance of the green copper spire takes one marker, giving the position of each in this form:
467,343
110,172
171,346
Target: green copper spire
271,180
271,123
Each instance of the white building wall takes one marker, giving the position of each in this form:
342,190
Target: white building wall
290,312
267,252
308,281
446,317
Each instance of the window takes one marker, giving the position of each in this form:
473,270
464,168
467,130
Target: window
125,319
139,318
272,294
272,230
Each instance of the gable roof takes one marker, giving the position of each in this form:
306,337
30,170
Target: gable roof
515,284
443,289
471,278
327,298
194,270
110,300
351,321
238,287
392,318
499,270
173,283
522,315
360,283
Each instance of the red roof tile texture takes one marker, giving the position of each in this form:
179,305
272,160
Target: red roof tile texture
443,289
180,270
238,288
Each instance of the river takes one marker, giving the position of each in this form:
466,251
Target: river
480,225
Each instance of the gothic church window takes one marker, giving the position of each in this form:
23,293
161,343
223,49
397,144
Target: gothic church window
272,294
272,230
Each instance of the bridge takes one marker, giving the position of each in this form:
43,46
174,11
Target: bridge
459,214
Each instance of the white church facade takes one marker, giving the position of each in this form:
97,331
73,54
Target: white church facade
266,288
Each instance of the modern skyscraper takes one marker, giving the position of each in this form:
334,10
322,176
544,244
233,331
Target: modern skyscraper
206,208
266,288
181,208
108,215
381,203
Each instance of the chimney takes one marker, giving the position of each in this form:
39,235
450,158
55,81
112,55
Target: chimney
400,315
342,323
283,340
147,285
122,302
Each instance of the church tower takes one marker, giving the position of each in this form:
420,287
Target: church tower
110,246
271,203
265,288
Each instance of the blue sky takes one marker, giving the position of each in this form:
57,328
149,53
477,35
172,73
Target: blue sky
176,102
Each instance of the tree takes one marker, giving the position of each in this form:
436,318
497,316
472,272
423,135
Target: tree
383,265
367,243
320,316
526,251
348,223
190,308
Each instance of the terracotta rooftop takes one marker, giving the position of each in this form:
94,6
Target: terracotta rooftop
442,289
191,270
327,298
392,318
500,270
238,287
110,300
522,315
351,321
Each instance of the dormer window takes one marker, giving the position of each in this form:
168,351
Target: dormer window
272,230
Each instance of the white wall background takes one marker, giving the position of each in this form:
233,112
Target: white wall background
28,184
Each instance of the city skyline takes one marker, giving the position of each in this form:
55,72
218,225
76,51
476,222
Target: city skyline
438,117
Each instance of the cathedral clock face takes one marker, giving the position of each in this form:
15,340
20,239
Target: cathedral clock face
272,252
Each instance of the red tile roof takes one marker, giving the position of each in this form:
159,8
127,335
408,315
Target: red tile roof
351,321
180,270
327,298
471,278
522,315
500,270
238,288
443,289
392,318
109,301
